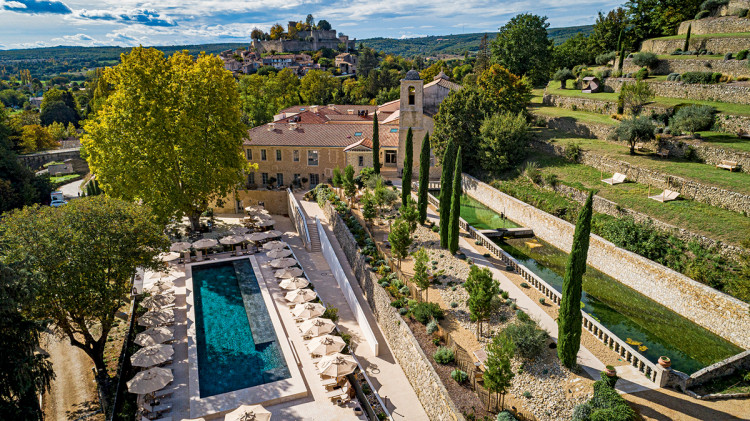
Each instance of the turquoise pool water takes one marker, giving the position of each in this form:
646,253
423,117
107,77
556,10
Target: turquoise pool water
622,310
237,345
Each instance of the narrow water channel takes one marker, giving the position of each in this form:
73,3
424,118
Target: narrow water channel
652,328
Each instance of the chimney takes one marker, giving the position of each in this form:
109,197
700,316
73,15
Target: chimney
293,126
350,112
271,126
314,109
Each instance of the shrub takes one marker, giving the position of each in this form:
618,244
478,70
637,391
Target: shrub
702,14
504,294
741,12
700,77
385,284
693,118
522,316
506,416
641,74
742,54
403,310
435,228
604,59
524,285
550,179
677,52
454,304
424,312
713,5
563,76
397,303
728,56
532,172
633,96
603,74
443,355
459,376
645,59
404,290
432,327
582,412
674,77
573,152
528,338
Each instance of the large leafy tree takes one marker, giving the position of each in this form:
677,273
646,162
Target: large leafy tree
24,373
261,97
610,32
456,192
523,47
169,134
482,289
574,51
655,18
408,167
83,256
18,185
318,87
504,141
59,105
424,177
570,318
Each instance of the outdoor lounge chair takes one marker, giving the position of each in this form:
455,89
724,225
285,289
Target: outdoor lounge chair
186,257
199,255
618,178
665,196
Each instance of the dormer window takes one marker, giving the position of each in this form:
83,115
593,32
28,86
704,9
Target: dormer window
412,92
358,134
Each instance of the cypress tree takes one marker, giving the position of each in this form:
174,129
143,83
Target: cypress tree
622,59
424,177
686,47
455,205
408,168
375,144
569,318
446,184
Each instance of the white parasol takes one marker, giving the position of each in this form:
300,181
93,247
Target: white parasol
316,327
154,336
267,223
256,236
337,365
284,262
248,413
152,355
300,295
149,381
279,253
232,239
326,345
157,301
274,234
308,310
168,257
205,243
273,245
238,230
180,246
156,318
294,283
288,273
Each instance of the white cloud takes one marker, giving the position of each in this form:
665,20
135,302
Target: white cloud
14,4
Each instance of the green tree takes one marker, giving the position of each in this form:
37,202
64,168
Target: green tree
498,372
261,97
424,177
569,318
483,56
606,35
410,214
563,76
635,95
408,168
503,142
24,373
350,187
375,144
686,46
336,180
400,239
369,209
574,51
656,18
482,289
57,112
36,138
446,185
170,134
18,185
523,47
323,25
421,276
318,87
383,195
693,118
457,191
635,130
83,256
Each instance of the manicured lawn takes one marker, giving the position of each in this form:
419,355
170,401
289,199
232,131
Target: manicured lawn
703,173
64,178
716,223
723,35
722,107
578,115
726,140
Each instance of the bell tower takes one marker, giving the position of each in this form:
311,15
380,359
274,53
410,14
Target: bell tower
411,112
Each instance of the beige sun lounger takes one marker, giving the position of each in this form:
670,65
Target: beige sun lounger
618,178
199,255
665,196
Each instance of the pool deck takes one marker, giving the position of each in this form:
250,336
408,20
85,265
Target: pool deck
311,402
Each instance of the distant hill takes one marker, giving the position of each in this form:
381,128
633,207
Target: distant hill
455,44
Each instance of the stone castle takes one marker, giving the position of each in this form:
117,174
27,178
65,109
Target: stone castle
312,40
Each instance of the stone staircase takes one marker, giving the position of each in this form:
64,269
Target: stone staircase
314,238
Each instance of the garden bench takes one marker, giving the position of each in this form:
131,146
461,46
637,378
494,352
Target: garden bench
663,153
728,165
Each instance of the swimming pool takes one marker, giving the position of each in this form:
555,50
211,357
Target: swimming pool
237,345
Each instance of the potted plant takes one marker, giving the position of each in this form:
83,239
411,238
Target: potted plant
665,361
610,371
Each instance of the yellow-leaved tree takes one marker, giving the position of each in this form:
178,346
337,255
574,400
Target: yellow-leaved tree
168,133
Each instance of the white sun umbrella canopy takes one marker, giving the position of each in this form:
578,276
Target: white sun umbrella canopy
266,223
337,365
279,253
274,234
326,345
152,355
168,257
154,336
300,295
274,245
161,286
294,283
158,301
317,326
232,240
308,310
248,413
256,236
288,273
156,318
149,381
238,230
180,246
205,243
262,217
284,262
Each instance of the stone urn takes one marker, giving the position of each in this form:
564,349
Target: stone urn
665,362
610,371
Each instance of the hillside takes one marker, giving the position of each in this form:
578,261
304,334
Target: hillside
454,44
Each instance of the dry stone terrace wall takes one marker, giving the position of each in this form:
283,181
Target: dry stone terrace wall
735,68
717,312
583,129
716,45
717,25
732,92
422,376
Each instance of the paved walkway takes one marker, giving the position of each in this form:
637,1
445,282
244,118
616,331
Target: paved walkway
384,371
71,190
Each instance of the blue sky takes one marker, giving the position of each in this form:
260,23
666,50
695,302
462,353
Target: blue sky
40,23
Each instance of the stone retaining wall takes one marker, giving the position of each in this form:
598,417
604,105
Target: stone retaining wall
36,161
424,379
576,127
716,45
717,25
726,316
723,92
735,68
721,369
